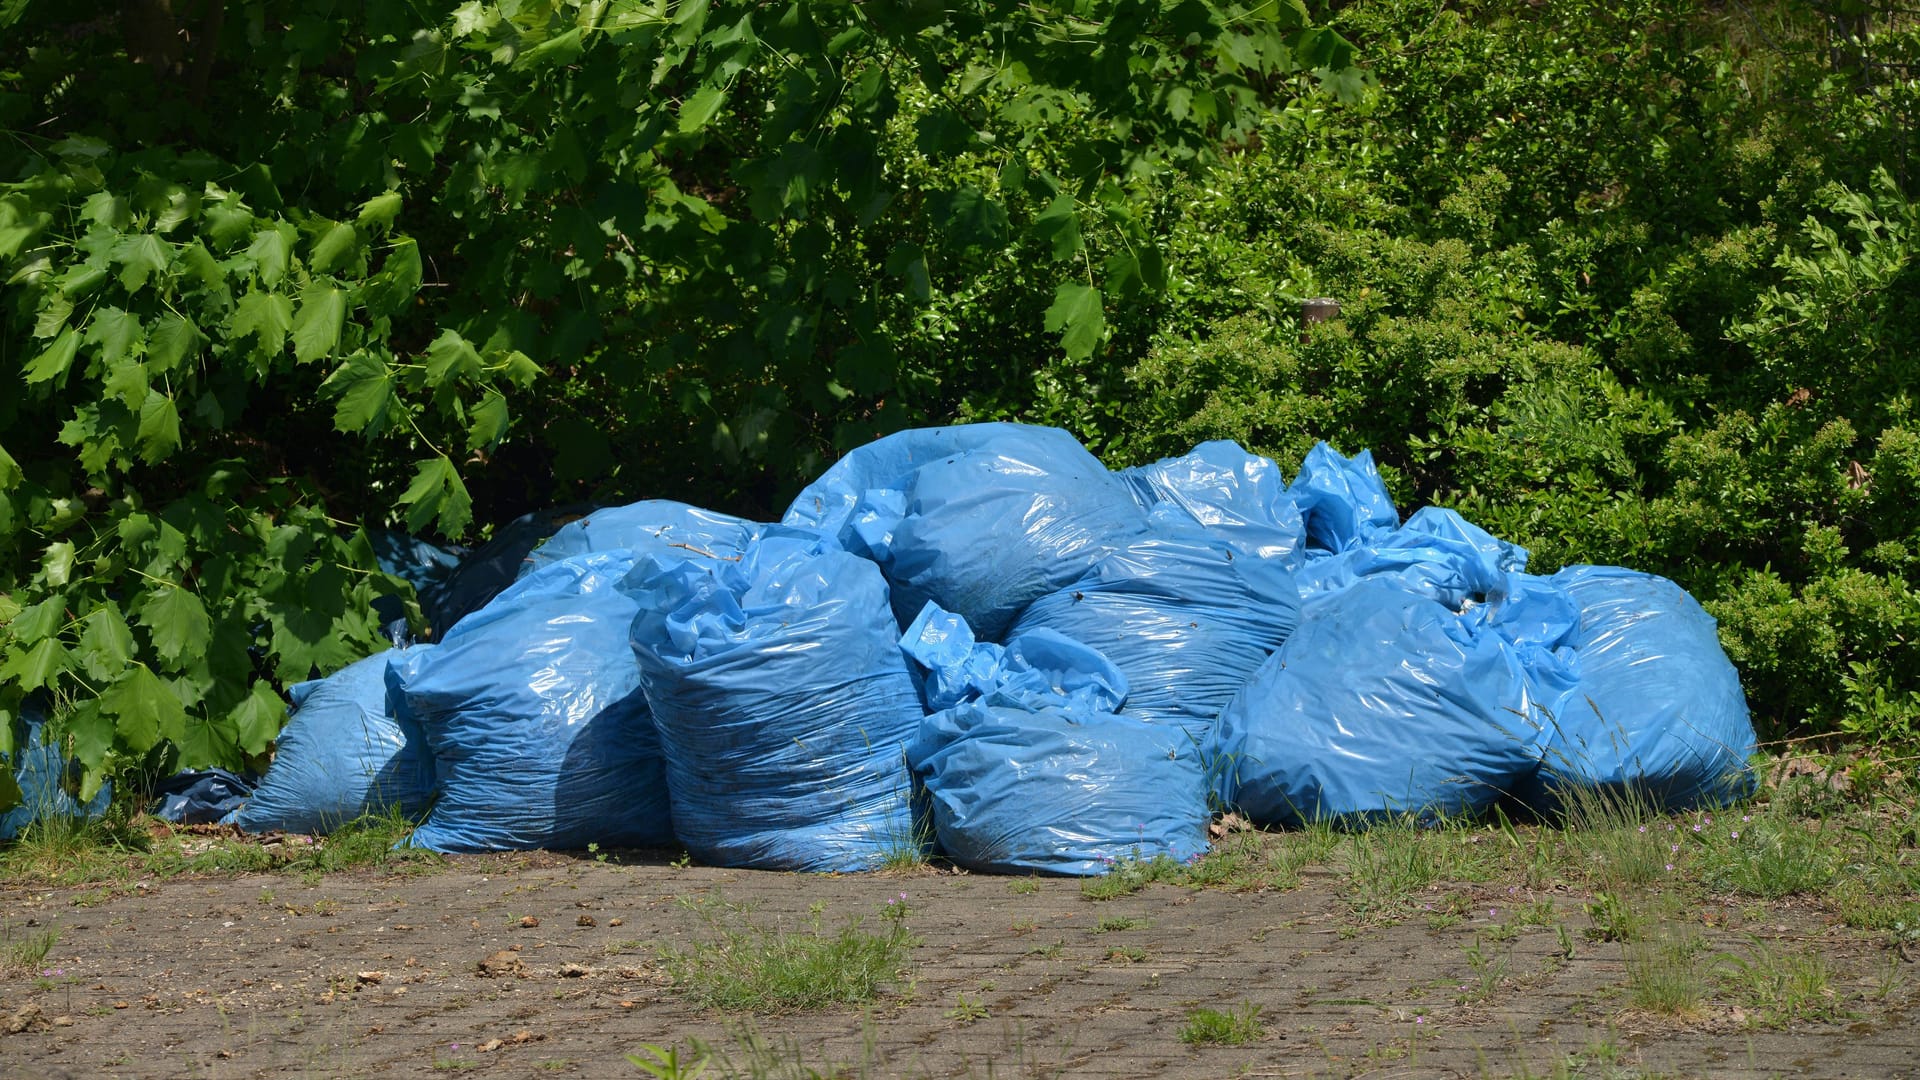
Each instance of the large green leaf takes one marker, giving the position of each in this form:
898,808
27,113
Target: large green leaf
364,384
106,645
38,665
140,257
145,709
316,326
171,339
178,622
451,357
267,316
439,497
1077,314
258,717
55,359
159,428
334,249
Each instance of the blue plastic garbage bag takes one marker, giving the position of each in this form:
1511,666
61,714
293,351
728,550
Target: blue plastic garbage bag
492,566
784,705
1658,709
201,796
1437,553
540,733
1039,774
1187,617
1041,666
1236,496
653,527
1342,501
1383,702
1009,514
343,755
44,777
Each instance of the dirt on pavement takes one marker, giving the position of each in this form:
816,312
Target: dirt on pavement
541,965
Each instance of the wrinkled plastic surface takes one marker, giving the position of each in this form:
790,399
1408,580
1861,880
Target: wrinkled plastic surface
42,774
1383,702
201,796
342,755
1658,707
1041,667
1008,514
1187,619
1018,789
1028,768
1342,501
1236,496
784,706
1437,553
540,734
655,527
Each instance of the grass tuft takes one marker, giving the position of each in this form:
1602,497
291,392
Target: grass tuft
1234,1027
759,969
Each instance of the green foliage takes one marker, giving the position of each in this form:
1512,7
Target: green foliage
436,265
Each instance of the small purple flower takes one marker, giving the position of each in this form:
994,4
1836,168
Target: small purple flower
1736,834
1696,826
1746,817
1669,867
1419,1019
1674,850
1643,828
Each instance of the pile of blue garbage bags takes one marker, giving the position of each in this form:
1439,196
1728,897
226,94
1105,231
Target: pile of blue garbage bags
979,642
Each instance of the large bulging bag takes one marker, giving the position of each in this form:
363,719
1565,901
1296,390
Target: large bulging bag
540,732
1234,495
784,706
1027,768
1187,617
657,527
1012,513
343,755
1384,702
1657,709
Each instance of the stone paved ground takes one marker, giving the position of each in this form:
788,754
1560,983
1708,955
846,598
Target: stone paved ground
260,976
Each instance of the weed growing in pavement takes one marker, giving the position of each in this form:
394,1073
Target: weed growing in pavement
21,954
664,1062
1617,837
1664,972
1236,1026
1489,973
1614,919
756,968
1129,876
1782,987
69,851
1770,855
1114,923
966,1009
1025,886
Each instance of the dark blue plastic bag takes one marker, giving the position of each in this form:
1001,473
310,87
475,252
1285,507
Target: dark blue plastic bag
653,527
540,734
1008,515
1234,495
201,796
1187,619
784,706
1657,709
342,755
1383,702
